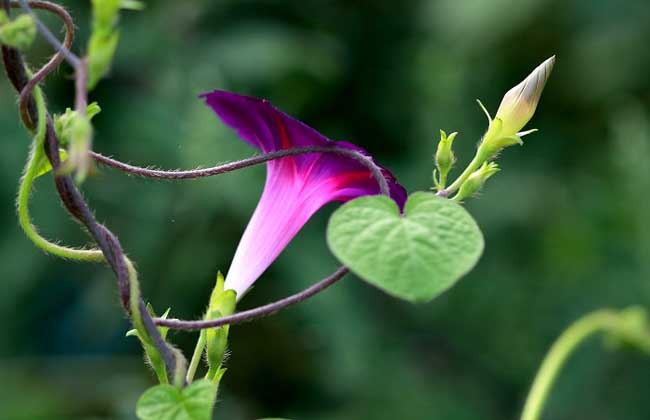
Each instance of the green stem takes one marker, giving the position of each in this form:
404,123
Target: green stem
603,320
196,357
36,156
443,180
473,165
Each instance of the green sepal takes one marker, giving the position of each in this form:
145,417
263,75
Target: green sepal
218,287
493,141
216,341
18,33
222,304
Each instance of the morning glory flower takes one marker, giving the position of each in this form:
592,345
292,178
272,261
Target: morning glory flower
296,186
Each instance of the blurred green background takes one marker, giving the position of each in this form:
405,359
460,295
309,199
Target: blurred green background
566,221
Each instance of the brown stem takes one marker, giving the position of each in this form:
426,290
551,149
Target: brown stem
258,312
244,163
72,198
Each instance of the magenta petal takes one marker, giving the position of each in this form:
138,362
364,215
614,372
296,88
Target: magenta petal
280,214
296,186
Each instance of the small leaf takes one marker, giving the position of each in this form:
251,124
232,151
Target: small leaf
166,402
101,49
105,14
415,256
46,166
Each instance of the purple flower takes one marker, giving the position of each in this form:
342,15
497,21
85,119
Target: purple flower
296,186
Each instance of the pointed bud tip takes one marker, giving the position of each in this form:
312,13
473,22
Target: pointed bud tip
520,102
543,71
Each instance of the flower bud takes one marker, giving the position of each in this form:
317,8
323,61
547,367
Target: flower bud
476,180
444,155
519,104
516,109
222,303
445,159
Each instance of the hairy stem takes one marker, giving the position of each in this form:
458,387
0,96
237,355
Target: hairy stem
471,167
36,157
258,312
77,207
244,163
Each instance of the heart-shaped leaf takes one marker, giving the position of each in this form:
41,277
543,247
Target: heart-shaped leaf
166,402
413,256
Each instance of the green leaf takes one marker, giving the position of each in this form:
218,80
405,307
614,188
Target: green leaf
101,49
415,256
46,166
19,33
166,402
105,14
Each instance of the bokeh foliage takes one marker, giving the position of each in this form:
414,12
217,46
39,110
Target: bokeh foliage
565,222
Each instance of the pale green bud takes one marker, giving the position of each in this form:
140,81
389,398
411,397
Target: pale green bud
476,180
516,109
222,303
520,103
444,158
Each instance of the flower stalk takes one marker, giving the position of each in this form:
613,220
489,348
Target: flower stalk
629,326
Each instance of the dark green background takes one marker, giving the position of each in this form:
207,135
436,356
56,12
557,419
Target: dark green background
566,221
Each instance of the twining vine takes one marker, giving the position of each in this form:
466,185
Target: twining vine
38,120
629,326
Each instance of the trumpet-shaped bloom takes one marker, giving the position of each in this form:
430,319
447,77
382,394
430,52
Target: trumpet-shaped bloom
296,186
